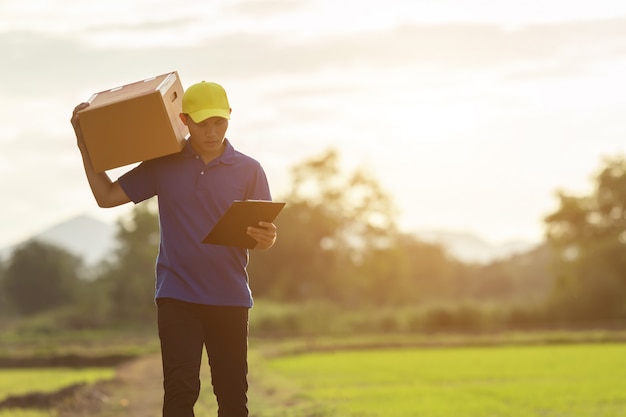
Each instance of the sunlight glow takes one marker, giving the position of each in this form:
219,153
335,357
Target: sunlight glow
469,113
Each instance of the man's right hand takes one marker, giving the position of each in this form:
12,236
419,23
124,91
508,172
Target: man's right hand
106,192
80,140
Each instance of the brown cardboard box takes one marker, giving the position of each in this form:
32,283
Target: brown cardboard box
135,122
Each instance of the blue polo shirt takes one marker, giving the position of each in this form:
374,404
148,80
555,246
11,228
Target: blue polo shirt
192,196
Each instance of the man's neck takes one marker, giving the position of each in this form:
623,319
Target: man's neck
209,156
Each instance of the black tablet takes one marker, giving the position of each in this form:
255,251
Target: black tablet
230,230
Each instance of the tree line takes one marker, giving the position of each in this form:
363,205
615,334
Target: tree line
339,244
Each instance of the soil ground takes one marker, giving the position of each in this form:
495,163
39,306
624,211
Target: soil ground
135,391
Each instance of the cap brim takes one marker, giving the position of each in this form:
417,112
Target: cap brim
201,115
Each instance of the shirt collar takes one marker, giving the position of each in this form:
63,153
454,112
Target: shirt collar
227,157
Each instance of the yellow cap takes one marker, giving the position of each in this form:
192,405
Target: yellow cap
204,100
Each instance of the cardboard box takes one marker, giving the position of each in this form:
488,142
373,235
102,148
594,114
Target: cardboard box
135,122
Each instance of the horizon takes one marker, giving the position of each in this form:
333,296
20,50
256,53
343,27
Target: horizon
101,240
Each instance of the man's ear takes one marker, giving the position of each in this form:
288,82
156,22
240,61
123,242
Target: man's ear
184,117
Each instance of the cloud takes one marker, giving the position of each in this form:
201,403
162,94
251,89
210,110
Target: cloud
41,171
444,86
40,65
470,46
46,64
263,8
144,26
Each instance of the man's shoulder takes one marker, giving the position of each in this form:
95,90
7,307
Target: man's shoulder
166,159
246,158
239,157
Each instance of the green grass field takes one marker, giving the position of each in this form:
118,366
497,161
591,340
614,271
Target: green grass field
22,381
570,380
26,413
546,381
44,380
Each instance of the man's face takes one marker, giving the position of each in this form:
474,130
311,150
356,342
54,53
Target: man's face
208,135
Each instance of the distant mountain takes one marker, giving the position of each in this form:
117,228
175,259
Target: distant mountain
470,248
93,240
84,236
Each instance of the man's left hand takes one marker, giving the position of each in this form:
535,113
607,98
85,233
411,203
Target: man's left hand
265,235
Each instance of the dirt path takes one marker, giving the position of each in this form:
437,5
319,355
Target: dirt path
143,393
136,391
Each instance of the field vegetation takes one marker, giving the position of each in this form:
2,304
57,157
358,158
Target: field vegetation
519,381
351,314
516,374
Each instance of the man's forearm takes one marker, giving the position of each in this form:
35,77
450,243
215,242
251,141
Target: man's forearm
106,192
99,182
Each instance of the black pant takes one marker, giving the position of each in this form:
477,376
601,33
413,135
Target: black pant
184,328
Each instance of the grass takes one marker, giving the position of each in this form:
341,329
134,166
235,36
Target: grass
131,342
270,394
515,381
47,380
551,374
15,382
26,413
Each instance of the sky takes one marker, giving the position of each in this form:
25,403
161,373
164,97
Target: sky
472,114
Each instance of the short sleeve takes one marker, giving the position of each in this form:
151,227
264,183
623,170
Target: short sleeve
259,189
139,184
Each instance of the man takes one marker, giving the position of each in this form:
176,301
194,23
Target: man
202,291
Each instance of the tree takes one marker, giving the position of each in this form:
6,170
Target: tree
520,278
330,222
589,236
40,277
353,209
4,308
129,278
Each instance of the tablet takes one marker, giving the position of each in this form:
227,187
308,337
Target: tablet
230,230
